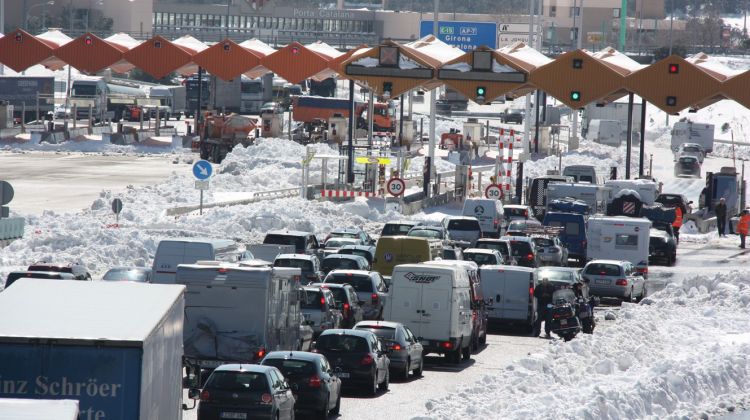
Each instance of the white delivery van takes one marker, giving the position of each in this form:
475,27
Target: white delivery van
22,408
435,303
619,238
596,196
690,132
509,292
581,173
607,132
647,189
488,212
171,252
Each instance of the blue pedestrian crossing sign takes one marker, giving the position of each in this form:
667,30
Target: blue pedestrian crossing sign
202,170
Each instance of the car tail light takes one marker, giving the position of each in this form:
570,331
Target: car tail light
314,382
621,282
367,360
643,270
530,257
531,291
396,346
375,298
205,396
446,345
260,353
474,316
266,399
495,222
323,301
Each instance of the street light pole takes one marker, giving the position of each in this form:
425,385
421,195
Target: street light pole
433,106
2,29
226,20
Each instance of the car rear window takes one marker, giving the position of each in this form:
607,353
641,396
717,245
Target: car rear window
339,242
569,228
298,242
511,212
311,299
519,248
502,247
238,381
479,258
688,160
425,233
304,265
692,149
358,252
359,283
341,343
543,242
603,269
339,295
50,268
395,229
339,263
292,368
385,333
463,224
555,275
125,275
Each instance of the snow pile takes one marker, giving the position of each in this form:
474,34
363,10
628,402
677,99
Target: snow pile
682,352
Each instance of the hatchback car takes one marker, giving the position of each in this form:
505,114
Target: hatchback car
614,279
500,245
308,264
346,301
513,116
551,250
136,274
463,229
344,262
316,389
55,275
523,250
564,278
690,149
675,200
318,307
357,357
516,212
367,251
661,246
370,286
356,233
78,270
398,228
404,350
245,392
687,166
453,253
430,232
483,256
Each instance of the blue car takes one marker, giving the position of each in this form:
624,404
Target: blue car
573,234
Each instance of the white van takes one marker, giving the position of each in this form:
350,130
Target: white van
607,132
488,212
435,303
509,292
171,252
581,173
646,188
621,237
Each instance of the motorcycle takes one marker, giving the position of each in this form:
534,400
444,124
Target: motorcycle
586,314
565,309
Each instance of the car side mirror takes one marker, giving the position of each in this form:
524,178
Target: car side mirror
194,393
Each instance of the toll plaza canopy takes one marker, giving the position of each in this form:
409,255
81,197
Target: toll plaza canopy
575,78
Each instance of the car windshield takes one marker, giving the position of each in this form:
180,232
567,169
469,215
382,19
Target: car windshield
311,299
500,246
480,258
386,333
304,265
359,282
297,241
519,248
603,269
464,224
513,212
425,233
393,229
341,343
553,275
138,275
694,149
342,263
238,381
292,368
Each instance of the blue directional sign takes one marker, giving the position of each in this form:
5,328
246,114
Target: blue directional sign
464,35
202,169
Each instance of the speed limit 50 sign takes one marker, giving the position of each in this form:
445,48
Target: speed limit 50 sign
395,186
493,191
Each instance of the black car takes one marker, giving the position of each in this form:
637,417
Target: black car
55,275
245,392
662,247
314,386
675,200
687,166
358,358
347,302
513,116
406,352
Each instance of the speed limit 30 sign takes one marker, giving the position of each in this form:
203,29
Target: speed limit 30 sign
395,186
493,191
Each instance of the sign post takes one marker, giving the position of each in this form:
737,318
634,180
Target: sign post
6,195
117,208
202,170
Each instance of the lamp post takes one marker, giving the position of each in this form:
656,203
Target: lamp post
28,14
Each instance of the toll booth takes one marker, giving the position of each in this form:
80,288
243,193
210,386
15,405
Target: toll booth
474,129
410,128
271,124
338,128
6,115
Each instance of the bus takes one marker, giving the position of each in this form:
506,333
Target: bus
252,95
191,93
103,97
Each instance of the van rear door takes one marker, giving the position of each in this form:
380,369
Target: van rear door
406,305
168,255
493,285
436,310
517,295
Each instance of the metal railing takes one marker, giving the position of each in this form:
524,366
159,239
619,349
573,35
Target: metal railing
256,197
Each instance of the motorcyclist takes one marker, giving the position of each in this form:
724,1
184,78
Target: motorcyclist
543,294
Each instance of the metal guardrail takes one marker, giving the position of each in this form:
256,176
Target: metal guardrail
257,196
11,228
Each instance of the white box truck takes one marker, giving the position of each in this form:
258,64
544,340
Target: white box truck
236,313
116,347
23,409
172,252
620,238
596,196
608,132
509,291
435,303
646,189
690,132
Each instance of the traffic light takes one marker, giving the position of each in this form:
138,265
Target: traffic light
295,50
575,96
157,44
227,47
481,94
671,101
387,89
577,63
19,37
674,68
88,40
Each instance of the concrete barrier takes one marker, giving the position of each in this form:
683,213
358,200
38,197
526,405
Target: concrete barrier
11,228
77,132
38,137
182,142
119,138
101,129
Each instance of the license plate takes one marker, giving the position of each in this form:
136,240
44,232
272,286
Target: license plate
342,375
563,322
233,415
601,281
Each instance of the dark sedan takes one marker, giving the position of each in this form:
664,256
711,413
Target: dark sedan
405,352
687,166
358,358
315,388
661,246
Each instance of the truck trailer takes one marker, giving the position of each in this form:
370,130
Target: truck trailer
26,90
116,347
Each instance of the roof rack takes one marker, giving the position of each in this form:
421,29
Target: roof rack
543,230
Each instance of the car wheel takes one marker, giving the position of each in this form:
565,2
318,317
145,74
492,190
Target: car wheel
673,260
418,371
337,407
323,413
374,388
466,352
386,382
483,339
405,373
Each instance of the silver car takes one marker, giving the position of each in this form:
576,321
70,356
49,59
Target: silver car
370,287
550,251
690,149
404,350
463,229
318,307
614,279
483,256
564,278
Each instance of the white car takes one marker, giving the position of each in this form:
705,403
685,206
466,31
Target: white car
690,149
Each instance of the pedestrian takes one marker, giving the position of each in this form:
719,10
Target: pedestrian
743,226
677,224
543,295
721,216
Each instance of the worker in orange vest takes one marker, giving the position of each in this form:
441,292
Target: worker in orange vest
677,224
743,226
